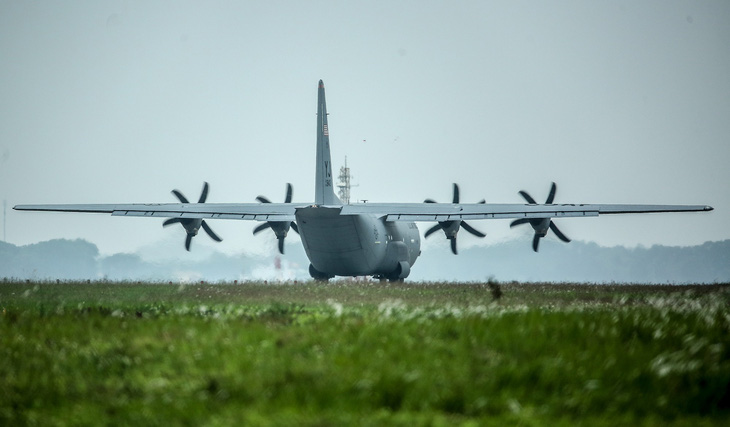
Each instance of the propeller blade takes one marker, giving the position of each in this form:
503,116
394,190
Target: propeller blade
188,239
453,246
180,196
519,222
263,199
527,197
204,194
261,228
551,196
294,227
288,193
429,201
548,201
210,232
535,242
281,246
558,233
456,193
472,230
171,221
433,229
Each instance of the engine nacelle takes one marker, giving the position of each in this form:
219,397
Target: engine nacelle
540,226
192,225
450,228
280,228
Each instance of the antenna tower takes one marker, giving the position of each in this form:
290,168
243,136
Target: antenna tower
344,183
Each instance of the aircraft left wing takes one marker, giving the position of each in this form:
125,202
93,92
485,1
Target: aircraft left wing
453,212
239,211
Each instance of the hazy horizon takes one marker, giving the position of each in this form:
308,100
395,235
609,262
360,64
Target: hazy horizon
578,262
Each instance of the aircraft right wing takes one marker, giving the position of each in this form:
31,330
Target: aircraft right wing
452,212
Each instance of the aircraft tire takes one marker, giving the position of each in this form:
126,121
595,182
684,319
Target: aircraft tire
318,275
399,274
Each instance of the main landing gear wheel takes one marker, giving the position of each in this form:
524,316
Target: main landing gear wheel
318,275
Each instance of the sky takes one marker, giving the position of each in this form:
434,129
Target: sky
123,101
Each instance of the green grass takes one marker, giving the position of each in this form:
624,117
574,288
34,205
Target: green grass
363,353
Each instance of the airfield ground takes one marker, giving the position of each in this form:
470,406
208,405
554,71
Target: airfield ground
363,353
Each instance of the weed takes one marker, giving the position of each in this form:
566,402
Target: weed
344,353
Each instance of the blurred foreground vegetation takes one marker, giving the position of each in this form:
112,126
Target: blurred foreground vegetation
363,353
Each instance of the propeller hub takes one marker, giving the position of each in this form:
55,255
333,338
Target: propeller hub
280,228
192,226
452,227
541,226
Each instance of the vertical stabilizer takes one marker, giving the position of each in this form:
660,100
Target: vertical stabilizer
324,193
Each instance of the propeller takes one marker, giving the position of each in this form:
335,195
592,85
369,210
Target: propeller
192,225
540,225
451,228
280,228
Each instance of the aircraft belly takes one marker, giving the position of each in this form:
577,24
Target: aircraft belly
336,244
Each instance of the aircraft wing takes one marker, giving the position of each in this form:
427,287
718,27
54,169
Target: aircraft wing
451,212
239,211
391,211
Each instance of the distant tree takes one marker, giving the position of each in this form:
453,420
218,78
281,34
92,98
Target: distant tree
54,259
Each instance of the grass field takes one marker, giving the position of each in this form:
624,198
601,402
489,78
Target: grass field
363,353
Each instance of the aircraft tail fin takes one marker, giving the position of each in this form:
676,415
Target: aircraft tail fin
324,193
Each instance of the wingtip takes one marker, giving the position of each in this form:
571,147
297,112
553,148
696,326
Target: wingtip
321,84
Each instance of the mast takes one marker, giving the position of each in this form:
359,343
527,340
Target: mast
344,183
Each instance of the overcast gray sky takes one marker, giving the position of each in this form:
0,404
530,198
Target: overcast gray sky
618,102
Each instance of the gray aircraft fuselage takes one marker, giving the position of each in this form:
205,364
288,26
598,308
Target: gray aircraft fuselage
357,245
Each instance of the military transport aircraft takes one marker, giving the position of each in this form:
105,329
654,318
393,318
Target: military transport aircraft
362,239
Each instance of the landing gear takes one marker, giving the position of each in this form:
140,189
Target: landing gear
318,275
402,270
392,279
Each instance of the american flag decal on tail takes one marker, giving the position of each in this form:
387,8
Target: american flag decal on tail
326,132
